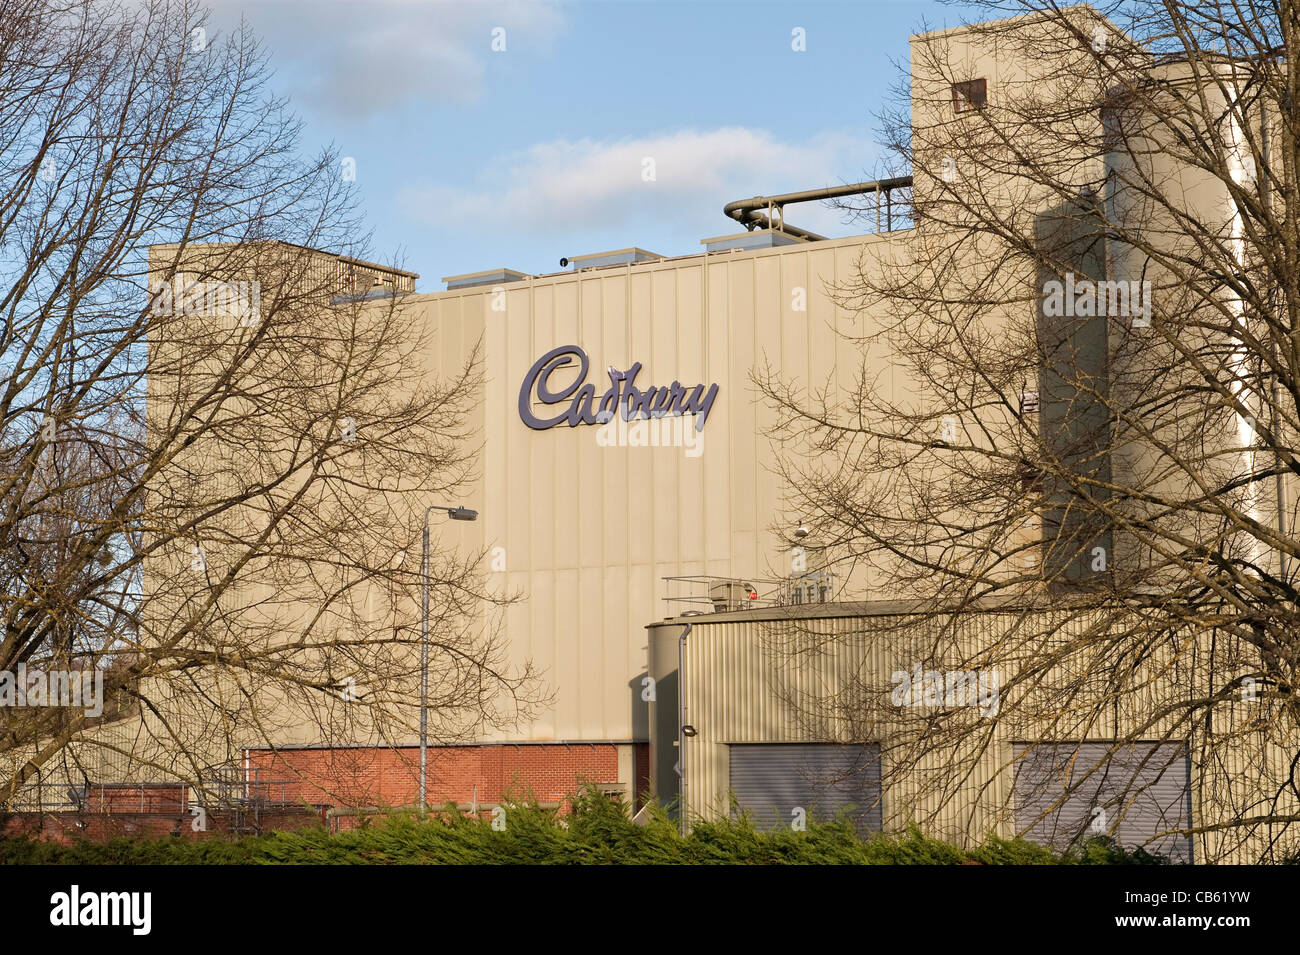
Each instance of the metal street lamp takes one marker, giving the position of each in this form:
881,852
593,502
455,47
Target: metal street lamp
456,514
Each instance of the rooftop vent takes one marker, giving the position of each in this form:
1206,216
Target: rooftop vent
758,239
598,260
729,595
490,277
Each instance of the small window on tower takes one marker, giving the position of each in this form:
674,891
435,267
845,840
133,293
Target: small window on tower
972,94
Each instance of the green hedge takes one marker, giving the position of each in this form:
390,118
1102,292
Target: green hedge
597,831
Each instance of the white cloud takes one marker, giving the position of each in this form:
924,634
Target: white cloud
575,184
354,59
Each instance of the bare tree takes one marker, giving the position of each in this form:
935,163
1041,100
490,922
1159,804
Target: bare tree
1090,417
215,451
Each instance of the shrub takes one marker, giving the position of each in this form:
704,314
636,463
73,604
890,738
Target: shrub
597,830
1103,850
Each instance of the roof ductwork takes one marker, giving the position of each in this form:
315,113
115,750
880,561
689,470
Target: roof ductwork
768,212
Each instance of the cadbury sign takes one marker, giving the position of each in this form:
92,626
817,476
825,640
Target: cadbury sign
622,397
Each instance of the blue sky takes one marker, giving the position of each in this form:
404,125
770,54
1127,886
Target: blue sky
470,158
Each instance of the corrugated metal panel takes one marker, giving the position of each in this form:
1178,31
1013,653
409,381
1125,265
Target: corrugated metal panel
757,682
1066,792
763,681
774,781
798,683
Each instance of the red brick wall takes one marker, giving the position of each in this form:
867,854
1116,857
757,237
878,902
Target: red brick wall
345,777
376,776
136,797
67,827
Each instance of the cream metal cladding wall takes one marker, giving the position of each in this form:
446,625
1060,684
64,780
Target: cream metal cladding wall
262,604
588,532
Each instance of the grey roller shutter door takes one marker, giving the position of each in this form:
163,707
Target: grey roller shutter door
1143,790
771,780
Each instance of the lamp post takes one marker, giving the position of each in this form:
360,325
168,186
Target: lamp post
456,514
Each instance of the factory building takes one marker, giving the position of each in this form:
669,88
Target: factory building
698,646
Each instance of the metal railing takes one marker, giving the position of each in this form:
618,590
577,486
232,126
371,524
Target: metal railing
353,280
704,593
220,789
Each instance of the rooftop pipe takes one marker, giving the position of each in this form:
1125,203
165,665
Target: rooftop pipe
746,211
